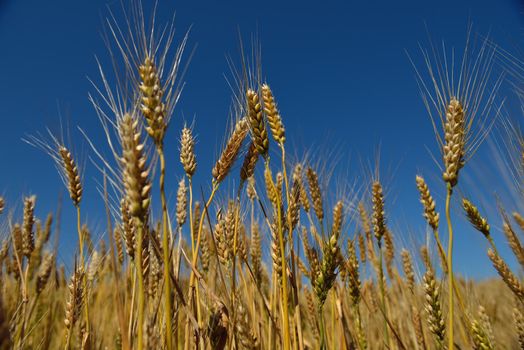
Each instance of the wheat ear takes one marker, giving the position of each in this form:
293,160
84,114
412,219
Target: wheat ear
230,152
257,123
507,276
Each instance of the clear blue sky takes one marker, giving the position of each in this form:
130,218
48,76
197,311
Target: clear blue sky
339,70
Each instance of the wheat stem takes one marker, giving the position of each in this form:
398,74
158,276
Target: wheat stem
298,323
450,268
84,281
165,246
383,293
140,273
284,294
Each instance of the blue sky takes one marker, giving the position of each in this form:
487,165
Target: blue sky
339,70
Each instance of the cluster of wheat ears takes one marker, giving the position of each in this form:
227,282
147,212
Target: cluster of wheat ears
200,278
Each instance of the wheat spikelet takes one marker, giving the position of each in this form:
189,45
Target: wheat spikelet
271,191
304,199
407,265
474,217
197,211
44,234
518,319
220,237
135,172
433,307
302,267
507,276
155,276
353,274
366,227
480,338
2,205
102,248
217,327
276,254
364,219
152,337
338,217
28,235
5,339
362,248
312,257
454,141
251,191
256,253
248,338
514,241
181,203
432,217
18,241
44,272
230,152
294,200
315,193
128,229
390,251
330,258
242,244
222,232
76,299
378,219
231,225
485,321
73,177
250,160
257,123
205,250
152,107
4,251
516,216
312,311
94,266
117,237
187,152
424,253
273,117
146,261
417,325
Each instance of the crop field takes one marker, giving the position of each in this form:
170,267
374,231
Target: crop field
268,253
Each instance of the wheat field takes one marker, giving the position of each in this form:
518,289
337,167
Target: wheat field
266,255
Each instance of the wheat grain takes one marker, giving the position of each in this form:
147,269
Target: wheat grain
432,217
187,152
507,276
257,123
73,177
474,217
273,116
435,319
230,152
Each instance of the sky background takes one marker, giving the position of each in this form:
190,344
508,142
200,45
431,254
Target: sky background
339,69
